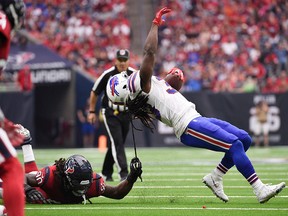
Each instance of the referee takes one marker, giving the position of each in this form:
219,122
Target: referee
116,120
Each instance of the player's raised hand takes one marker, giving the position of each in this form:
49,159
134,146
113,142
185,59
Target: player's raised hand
158,20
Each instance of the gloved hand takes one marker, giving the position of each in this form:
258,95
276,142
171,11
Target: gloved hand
135,170
158,18
34,196
24,132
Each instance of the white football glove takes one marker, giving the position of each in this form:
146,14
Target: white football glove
24,132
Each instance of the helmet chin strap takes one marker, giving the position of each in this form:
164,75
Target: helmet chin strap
84,198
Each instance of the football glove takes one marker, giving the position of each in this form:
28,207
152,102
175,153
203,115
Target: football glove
25,133
34,196
158,18
135,170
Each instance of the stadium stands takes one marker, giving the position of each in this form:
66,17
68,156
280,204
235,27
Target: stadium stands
222,46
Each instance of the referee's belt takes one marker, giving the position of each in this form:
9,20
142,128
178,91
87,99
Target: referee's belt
118,108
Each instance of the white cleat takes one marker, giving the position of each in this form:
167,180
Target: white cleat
216,186
266,192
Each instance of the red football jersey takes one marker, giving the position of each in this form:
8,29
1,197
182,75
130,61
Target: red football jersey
5,39
53,188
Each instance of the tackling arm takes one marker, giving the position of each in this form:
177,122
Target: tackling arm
122,189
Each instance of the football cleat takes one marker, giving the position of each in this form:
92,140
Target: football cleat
266,192
216,186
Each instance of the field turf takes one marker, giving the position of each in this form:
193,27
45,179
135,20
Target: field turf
172,184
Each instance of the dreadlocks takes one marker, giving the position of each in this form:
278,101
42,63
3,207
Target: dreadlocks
139,108
59,172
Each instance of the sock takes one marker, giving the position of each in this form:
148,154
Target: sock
30,167
220,170
242,162
29,159
13,191
257,184
28,153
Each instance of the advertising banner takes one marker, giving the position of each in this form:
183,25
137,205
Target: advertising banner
238,109
46,66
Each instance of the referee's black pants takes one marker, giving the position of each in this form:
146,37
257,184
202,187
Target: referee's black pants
117,125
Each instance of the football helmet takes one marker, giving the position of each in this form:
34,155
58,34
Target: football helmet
79,174
14,10
117,88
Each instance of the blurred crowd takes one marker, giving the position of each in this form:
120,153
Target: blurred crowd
221,45
228,45
87,32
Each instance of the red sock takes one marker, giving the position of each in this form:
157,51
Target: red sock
30,166
13,186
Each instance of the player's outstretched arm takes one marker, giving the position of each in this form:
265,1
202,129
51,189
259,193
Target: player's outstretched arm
150,49
124,187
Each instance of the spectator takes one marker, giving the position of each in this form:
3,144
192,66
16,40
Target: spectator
24,79
87,129
262,124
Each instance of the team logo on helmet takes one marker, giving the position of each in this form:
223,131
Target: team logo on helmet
113,83
69,170
116,88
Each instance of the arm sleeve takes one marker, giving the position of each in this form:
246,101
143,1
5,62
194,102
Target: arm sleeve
98,186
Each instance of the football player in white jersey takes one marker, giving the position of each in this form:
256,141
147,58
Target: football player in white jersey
148,97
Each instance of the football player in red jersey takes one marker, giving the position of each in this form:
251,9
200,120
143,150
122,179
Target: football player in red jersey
11,168
71,180
11,14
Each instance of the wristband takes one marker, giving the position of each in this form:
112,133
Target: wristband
91,111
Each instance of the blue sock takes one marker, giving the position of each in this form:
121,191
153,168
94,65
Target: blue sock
241,160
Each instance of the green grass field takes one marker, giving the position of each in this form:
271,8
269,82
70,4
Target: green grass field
172,184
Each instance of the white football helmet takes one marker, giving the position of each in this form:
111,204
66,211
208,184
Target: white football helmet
117,88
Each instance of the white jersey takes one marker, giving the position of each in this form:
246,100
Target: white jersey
169,106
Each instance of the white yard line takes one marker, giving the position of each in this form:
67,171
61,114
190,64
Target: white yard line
179,187
154,208
156,197
200,174
199,179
